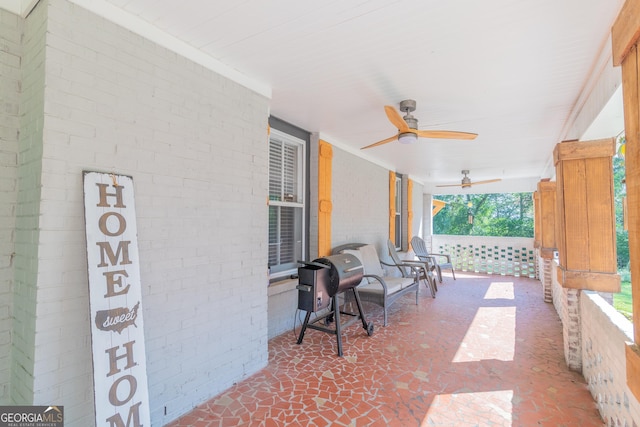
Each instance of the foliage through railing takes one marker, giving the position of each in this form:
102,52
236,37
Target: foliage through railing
503,256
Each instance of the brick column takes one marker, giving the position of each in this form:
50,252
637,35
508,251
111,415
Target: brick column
546,277
571,328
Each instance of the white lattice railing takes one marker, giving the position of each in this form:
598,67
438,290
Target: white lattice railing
506,256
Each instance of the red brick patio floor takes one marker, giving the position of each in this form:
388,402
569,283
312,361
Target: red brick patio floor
487,351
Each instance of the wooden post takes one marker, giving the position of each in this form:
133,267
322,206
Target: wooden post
547,194
624,35
587,239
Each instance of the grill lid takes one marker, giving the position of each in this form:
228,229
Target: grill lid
345,272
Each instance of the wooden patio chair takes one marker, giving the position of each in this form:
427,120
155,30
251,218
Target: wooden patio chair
424,270
440,260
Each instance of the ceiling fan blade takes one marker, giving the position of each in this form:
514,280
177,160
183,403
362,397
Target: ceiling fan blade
446,134
486,181
384,141
396,118
452,185
470,184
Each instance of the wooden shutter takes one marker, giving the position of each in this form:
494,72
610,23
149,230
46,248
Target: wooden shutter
392,206
325,156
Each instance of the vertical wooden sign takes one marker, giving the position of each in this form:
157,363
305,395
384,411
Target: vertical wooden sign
115,297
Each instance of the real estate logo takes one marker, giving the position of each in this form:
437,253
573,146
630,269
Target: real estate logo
31,416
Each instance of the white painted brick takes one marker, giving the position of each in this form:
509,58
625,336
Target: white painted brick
10,56
360,209
605,332
598,348
101,114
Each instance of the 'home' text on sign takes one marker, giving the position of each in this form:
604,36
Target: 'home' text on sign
117,329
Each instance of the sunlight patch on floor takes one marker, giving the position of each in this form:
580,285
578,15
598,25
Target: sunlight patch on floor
500,290
491,336
483,408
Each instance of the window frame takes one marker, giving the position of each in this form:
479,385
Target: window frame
288,134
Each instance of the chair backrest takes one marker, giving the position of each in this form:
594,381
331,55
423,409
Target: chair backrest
393,253
396,258
368,256
419,247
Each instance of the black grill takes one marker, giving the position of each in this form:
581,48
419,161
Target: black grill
320,283
345,271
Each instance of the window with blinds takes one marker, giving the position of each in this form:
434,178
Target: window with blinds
286,203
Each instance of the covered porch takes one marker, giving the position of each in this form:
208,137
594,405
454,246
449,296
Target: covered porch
489,349
486,351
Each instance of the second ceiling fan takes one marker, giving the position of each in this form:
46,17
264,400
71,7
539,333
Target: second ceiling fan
466,181
408,127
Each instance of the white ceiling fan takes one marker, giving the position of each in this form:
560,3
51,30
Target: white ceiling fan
467,183
408,131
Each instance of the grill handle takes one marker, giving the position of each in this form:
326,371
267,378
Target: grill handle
316,264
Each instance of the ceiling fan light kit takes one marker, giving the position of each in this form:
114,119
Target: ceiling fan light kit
407,126
407,138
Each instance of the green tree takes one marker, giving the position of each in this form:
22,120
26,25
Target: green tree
622,236
508,214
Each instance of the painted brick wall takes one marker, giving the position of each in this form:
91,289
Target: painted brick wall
604,333
28,207
10,76
594,336
195,145
360,201
283,308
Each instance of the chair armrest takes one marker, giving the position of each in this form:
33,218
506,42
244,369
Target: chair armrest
411,267
392,265
415,269
443,255
419,264
377,278
428,259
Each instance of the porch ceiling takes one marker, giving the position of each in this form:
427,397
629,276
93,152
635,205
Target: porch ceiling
517,73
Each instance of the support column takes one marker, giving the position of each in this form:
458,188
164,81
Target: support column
571,328
585,231
546,277
625,36
427,215
545,240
